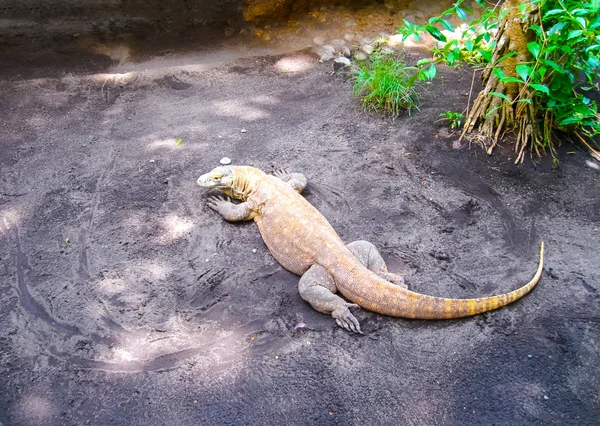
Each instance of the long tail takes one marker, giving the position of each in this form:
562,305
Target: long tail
379,296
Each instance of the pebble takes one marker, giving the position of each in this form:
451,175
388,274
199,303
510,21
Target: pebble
351,23
360,56
386,50
225,161
343,60
229,31
338,42
346,52
319,41
546,397
253,250
368,49
243,130
152,161
325,53
348,37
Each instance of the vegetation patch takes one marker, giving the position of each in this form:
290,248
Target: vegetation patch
384,83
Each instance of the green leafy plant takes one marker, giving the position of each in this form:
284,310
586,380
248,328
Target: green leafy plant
386,84
540,62
454,118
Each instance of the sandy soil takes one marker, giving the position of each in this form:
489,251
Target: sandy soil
125,300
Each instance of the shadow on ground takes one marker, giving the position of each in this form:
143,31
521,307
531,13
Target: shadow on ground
124,299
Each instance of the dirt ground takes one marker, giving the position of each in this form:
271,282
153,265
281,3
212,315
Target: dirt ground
125,300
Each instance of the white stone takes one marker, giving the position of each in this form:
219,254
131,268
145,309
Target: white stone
225,161
319,41
368,49
342,60
360,55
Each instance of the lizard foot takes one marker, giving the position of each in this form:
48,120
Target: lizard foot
344,318
280,173
393,278
216,201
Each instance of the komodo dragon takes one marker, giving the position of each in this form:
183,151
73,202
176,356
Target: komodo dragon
304,243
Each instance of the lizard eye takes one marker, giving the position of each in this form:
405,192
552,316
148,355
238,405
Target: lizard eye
216,178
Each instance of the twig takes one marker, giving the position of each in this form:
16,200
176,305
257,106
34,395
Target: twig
595,153
14,195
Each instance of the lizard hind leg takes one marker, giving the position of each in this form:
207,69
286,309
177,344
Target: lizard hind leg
369,256
317,287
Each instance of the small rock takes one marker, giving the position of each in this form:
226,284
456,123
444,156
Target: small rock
152,161
360,55
368,49
319,41
229,31
365,40
225,161
348,37
338,42
351,23
346,52
253,250
386,50
243,130
529,356
325,53
342,60
546,397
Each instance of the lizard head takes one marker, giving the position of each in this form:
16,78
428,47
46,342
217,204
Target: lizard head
235,181
219,178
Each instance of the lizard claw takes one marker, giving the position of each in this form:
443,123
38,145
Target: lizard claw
217,200
345,319
280,173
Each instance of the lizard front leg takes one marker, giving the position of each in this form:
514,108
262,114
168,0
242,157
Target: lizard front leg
296,180
229,211
316,287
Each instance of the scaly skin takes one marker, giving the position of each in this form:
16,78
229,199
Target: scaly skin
304,243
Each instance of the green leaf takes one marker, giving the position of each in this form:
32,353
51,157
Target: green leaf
538,30
68,240
436,33
508,55
469,45
446,24
500,95
487,55
461,13
498,72
177,142
556,28
523,70
569,120
574,33
553,65
511,80
553,12
540,88
534,48
431,72
581,21
423,61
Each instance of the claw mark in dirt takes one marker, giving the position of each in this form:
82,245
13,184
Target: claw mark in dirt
237,347
29,303
83,268
210,280
325,195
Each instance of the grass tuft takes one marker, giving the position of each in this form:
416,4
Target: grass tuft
385,84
